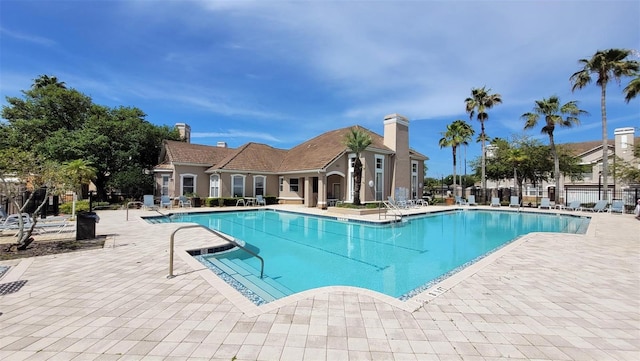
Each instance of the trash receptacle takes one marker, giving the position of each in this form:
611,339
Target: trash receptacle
86,225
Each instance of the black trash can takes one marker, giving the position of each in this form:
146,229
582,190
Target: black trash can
86,225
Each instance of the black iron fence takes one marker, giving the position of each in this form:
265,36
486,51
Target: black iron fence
588,196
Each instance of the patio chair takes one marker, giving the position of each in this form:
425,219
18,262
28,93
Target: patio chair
165,202
515,202
471,201
184,202
460,201
3,215
574,206
148,202
545,203
260,200
495,202
12,222
617,206
600,206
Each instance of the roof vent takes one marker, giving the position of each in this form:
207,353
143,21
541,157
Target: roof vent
221,144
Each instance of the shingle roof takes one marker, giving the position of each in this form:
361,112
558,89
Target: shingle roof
320,151
583,147
181,152
252,156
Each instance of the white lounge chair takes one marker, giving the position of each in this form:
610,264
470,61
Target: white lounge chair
148,202
574,206
515,202
600,206
460,201
184,202
471,201
545,203
495,202
165,202
617,206
260,200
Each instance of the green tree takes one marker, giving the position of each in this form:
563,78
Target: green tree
357,140
632,89
63,125
458,133
22,171
44,81
606,65
555,114
78,172
480,101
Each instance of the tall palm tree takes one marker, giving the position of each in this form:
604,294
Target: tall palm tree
357,140
458,133
564,116
607,65
632,89
480,101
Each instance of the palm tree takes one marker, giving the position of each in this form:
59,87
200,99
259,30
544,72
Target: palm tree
515,157
611,64
458,133
477,104
357,140
564,116
632,89
79,172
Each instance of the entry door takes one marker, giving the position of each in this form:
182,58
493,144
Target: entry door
336,191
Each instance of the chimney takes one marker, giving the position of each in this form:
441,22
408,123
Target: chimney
185,131
624,140
396,137
221,144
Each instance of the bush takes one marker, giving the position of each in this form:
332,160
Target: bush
82,206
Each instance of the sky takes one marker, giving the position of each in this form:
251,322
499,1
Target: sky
282,72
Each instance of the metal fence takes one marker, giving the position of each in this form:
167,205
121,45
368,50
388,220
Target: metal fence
588,196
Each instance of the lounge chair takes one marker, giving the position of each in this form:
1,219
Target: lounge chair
545,203
617,206
148,202
260,200
495,202
460,201
574,206
515,202
165,202
601,206
184,202
3,215
12,222
471,201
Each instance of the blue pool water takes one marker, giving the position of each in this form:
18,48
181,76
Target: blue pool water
302,252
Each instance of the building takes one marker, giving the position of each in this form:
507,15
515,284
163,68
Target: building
315,173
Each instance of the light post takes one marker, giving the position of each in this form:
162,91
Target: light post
599,185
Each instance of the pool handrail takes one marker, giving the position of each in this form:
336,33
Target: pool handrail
221,235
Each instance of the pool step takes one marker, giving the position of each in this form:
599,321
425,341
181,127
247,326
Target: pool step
266,288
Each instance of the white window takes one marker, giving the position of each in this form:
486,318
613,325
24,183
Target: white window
414,180
293,184
379,182
237,182
188,184
259,182
350,184
164,190
214,184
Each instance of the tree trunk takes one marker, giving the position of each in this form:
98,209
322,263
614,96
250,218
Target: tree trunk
605,144
357,177
484,158
556,169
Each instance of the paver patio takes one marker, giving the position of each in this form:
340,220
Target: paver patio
543,297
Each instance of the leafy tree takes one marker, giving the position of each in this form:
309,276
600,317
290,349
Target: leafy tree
357,140
78,173
607,65
458,133
24,171
564,116
480,101
63,125
632,89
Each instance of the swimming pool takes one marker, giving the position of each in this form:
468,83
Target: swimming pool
303,252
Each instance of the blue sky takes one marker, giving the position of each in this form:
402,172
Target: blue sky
281,72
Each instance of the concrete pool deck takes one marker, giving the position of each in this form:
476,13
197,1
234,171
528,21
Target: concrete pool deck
543,297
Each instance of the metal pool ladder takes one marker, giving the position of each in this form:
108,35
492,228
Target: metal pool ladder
171,242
